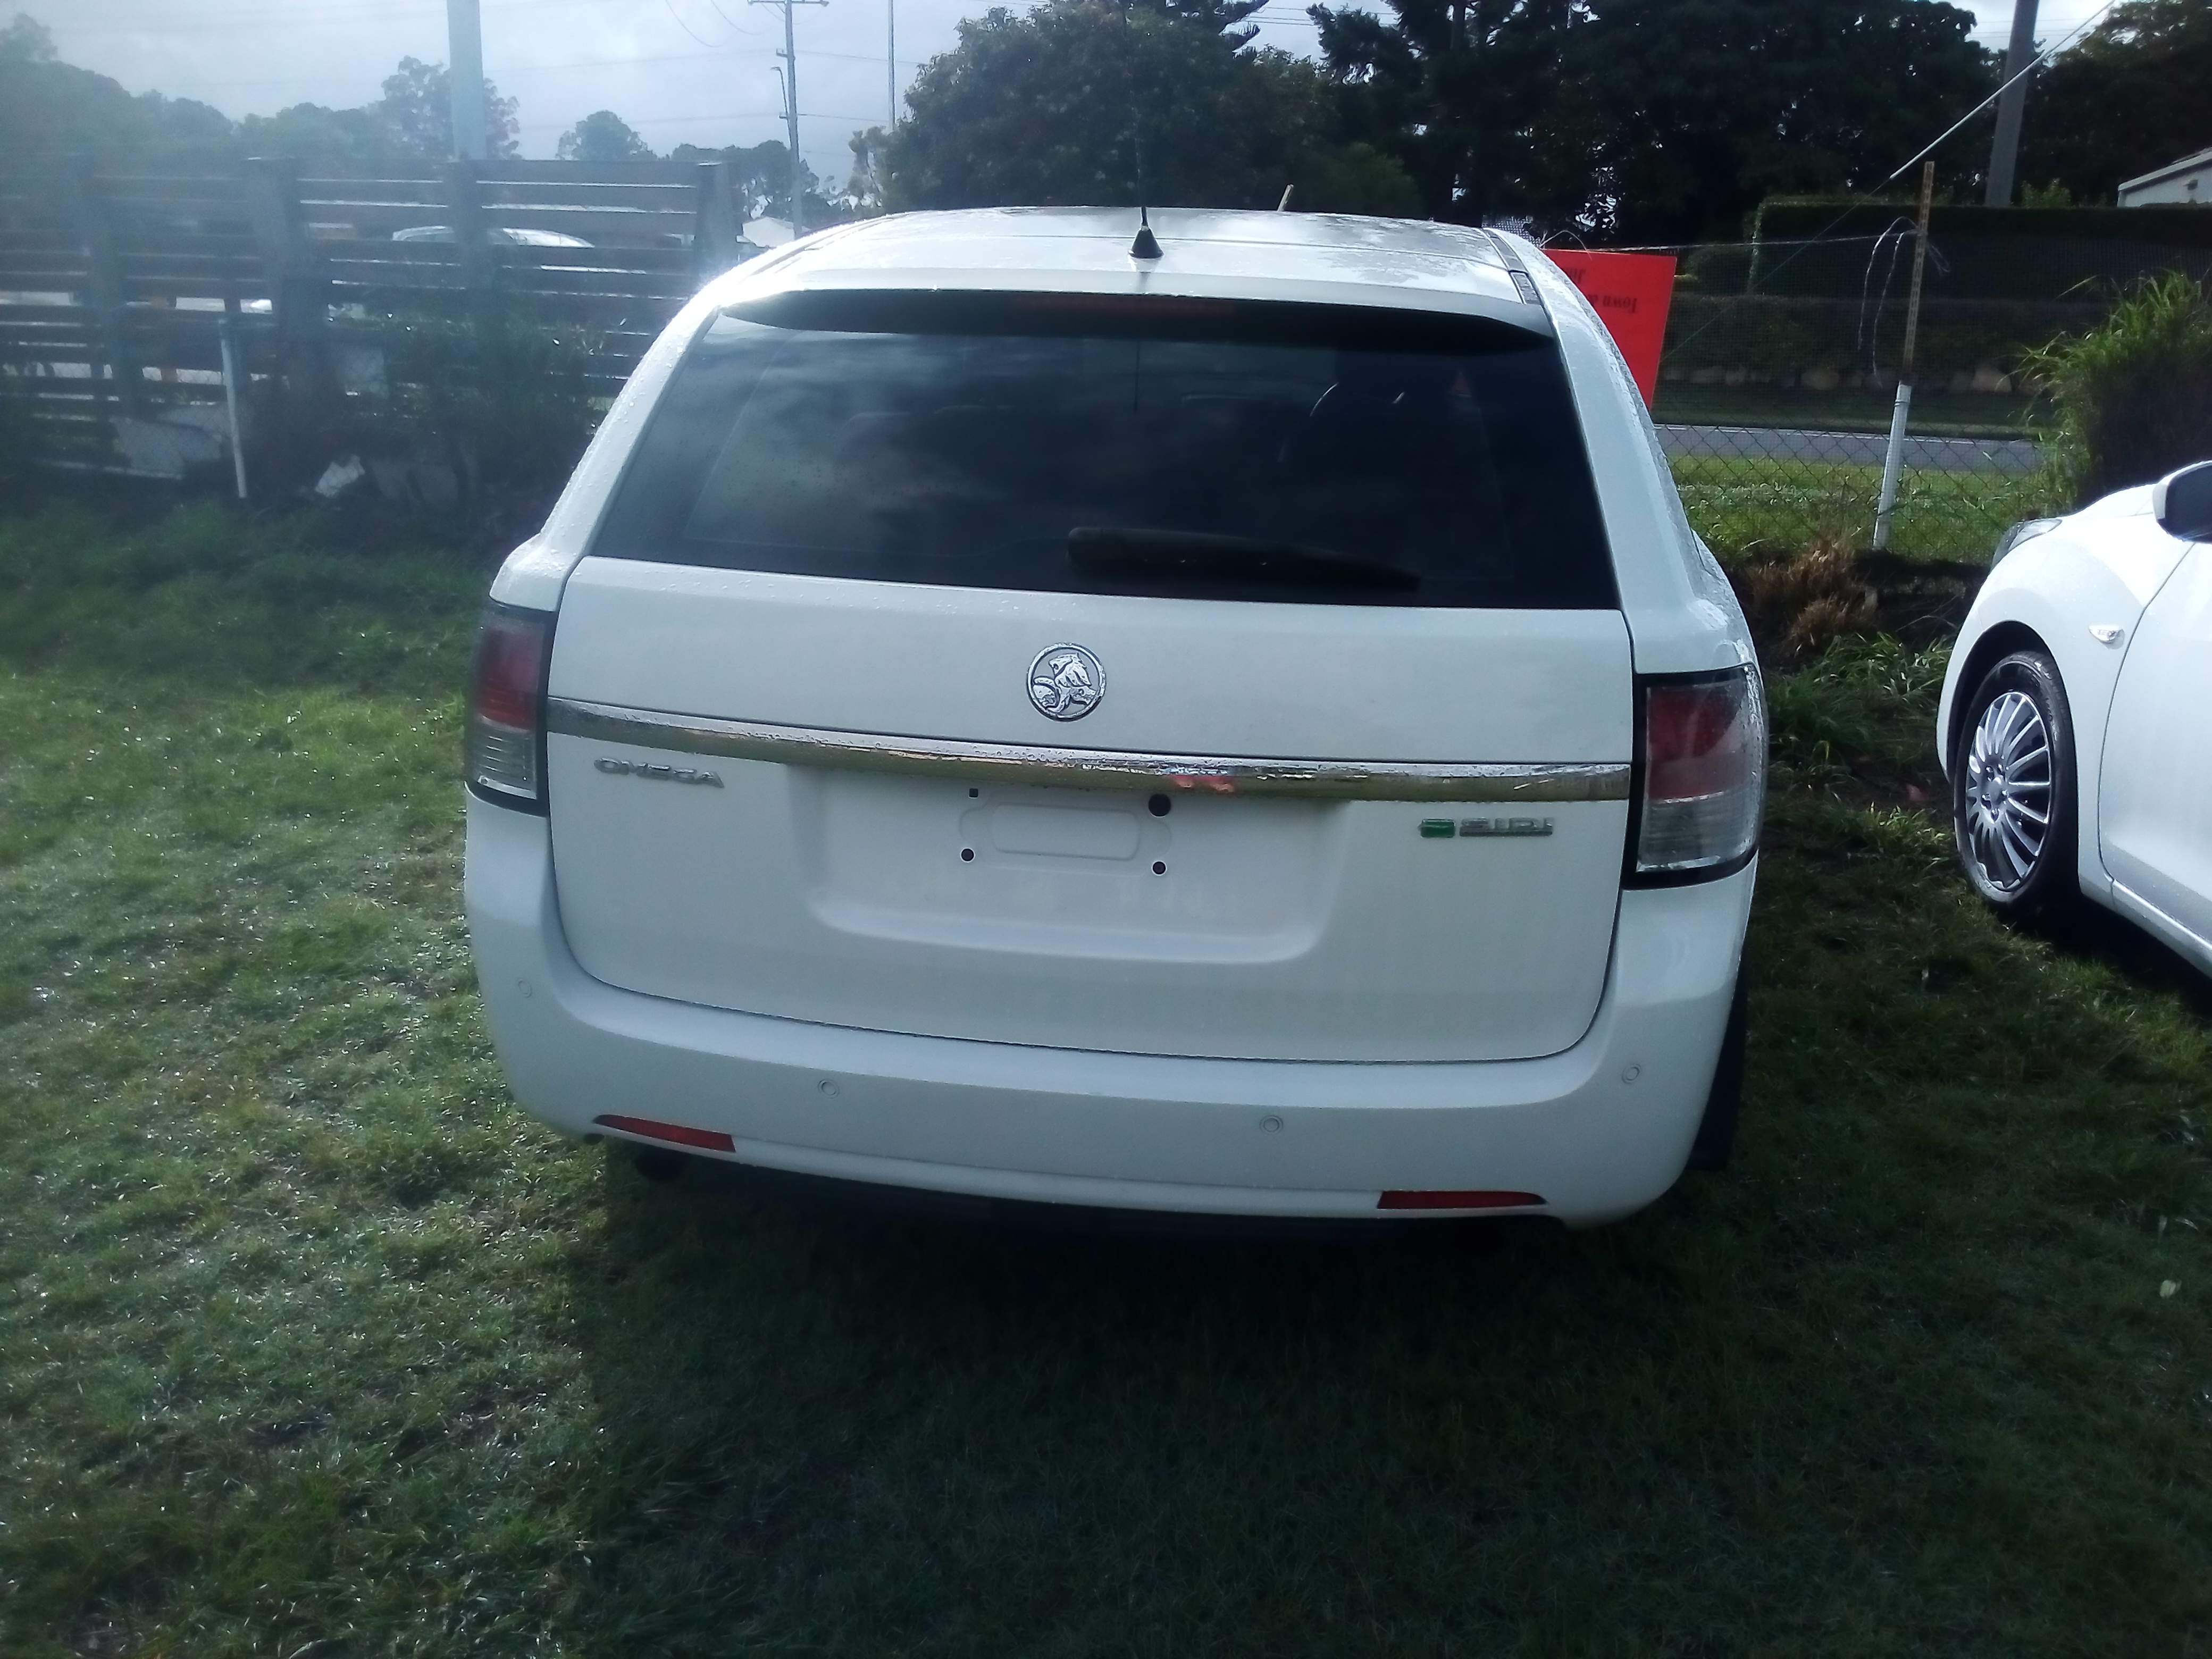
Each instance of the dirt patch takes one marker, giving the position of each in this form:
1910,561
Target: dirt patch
1801,602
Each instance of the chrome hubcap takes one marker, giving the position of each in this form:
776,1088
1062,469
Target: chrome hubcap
2007,789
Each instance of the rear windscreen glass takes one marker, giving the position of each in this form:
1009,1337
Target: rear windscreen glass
1080,444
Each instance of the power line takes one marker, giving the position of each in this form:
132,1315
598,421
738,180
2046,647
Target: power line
677,18
2040,59
1822,234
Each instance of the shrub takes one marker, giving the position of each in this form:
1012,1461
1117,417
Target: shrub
505,400
2134,395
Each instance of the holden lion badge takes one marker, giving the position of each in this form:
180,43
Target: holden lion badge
1065,682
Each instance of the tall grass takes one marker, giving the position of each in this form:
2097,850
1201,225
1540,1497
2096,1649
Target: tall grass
2134,396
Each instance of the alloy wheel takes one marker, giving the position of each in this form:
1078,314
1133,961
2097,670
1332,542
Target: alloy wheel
2007,790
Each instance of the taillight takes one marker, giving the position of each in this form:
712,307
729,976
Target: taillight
1703,762
507,700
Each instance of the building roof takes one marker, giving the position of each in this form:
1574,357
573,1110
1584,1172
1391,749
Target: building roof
1320,258
2156,175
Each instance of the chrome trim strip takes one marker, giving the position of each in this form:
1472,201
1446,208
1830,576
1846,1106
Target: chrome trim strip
1086,768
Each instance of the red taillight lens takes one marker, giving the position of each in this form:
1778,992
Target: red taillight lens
506,685
682,1134
1704,773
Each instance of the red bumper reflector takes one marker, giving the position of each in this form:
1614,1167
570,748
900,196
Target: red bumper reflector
1458,1201
712,1140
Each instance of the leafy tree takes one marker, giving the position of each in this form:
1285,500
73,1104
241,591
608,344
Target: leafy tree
1084,102
1224,17
50,109
1466,94
871,162
761,179
417,106
338,139
1701,108
2135,94
603,138
1659,120
26,40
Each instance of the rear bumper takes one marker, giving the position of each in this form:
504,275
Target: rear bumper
1598,1131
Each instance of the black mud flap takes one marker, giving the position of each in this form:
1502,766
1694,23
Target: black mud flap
1717,1129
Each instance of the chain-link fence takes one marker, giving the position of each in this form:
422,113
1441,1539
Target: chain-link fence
1755,487
1780,373
1776,413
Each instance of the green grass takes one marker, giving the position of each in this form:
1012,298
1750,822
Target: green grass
1739,504
311,1344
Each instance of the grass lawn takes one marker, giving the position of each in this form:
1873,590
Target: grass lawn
1740,504
310,1343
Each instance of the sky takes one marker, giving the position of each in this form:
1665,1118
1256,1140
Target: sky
680,71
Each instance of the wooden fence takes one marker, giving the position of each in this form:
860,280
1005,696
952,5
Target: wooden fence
116,291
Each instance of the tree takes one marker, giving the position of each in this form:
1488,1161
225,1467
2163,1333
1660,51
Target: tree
1699,108
870,163
417,106
1659,120
1223,16
1084,102
337,138
50,109
1465,94
603,138
760,179
2133,96
26,40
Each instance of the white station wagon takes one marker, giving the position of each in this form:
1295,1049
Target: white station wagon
1235,724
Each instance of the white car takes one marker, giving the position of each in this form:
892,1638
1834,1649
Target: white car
512,236
2077,719
1234,723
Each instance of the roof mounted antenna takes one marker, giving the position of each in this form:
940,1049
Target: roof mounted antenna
1147,246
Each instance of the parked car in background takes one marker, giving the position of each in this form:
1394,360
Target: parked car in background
1236,723
512,236
2076,718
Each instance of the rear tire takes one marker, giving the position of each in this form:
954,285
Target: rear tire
2013,795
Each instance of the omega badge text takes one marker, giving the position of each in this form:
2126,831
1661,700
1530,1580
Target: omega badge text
1445,829
656,773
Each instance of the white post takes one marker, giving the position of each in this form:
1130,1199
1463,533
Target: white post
465,77
226,333
1893,459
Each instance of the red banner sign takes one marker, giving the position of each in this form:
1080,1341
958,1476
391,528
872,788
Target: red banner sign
1631,293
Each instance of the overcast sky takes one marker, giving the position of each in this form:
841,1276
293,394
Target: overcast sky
697,71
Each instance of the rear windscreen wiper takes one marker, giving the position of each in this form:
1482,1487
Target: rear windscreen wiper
1233,558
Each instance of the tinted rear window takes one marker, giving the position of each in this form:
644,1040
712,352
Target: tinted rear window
1080,444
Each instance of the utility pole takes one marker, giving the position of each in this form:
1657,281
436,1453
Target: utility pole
2004,150
790,56
1894,458
465,77
891,61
